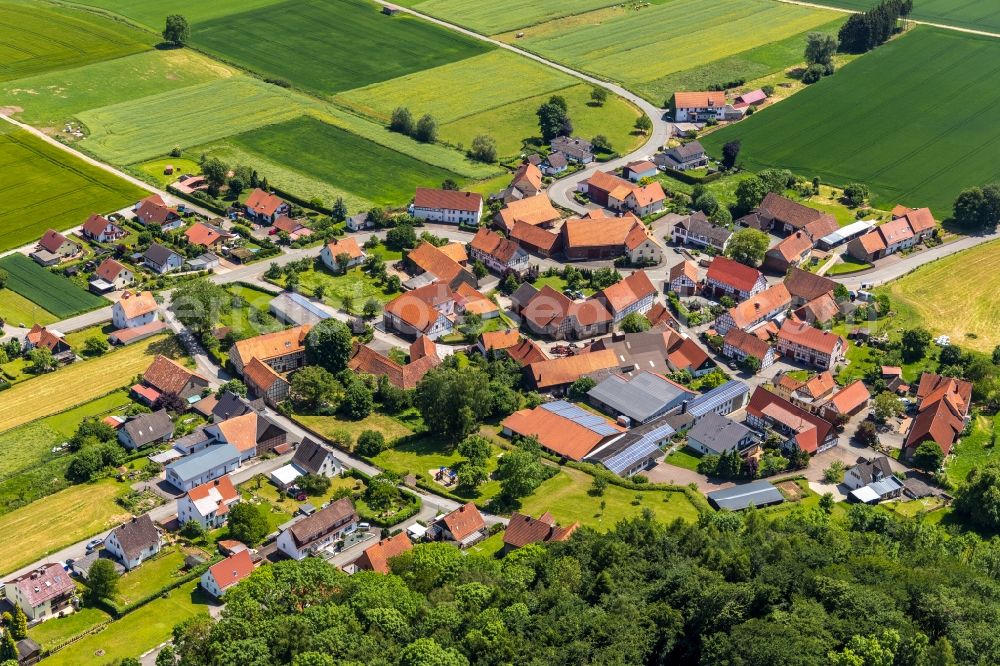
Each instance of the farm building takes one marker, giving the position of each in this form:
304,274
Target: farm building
755,494
448,206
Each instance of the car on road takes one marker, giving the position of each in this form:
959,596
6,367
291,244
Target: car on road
93,545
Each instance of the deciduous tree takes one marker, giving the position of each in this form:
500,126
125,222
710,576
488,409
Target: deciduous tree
748,246
247,523
328,344
176,31
102,581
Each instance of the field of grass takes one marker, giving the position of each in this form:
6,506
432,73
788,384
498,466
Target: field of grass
137,632
151,13
493,17
53,292
685,457
953,296
17,309
61,519
253,318
974,450
42,187
974,15
39,38
51,98
153,575
510,125
567,498
356,284
847,265
333,45
80,382
423,454
59,630
326,426
641,47
923,154
154,169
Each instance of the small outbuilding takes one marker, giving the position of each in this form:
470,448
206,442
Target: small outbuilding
756,494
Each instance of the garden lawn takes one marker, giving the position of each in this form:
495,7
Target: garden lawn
355,284
974,15
327,426
558,283
57,631
59,520
493,17
254,318
685,457
17,310
346,161
922,155
137,632
641,47
153,169
43,187
81,381
420,455
513,123
974,450
52,98
955,296
38,38
152,576
847,265
567,498
328,46
53,292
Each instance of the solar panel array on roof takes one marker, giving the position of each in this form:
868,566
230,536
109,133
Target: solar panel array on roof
308,305
708,402
644,447
592,422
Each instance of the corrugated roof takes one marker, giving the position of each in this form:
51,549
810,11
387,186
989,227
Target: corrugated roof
639,397
708,402
757,493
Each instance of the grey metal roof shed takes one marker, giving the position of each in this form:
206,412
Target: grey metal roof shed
737,498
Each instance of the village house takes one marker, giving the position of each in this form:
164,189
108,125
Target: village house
310,458
51,339
819,311
523,530
203,466
376,557
264,208
808,394
133,310
111,275
449,206
526,182
572,149
225,574
716,435
764,306
726,277
782,217
99,229
699,107
552,313
639,397
293,227
805,286
53,247
662,350
793,250
168,376
208,504
154,212
846,402
602,237
687,156
659,317
341,247
696,229
636,171
635,293
251,434
433,264
423,358
805,344
683,279
804,430
738,344
134,542
283,350
464,526
535,210
359,222
161,259
265,383
42,593
207,236
146,429
428,311
732,396
519,348
942,412
610,191
535,239
319,531
556,375
562,428
871,481
499,254
555,163
902,232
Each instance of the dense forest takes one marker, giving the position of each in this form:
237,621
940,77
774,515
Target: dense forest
734,590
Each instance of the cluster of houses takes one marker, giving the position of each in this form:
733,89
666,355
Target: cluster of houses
714,105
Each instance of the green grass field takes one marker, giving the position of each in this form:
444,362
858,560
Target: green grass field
17,310
493,17
922,154
53,292
38,38
42,187
640,47
975,449
326,426
151,13
153,575
971,14
332,45
59,630
424,455
51,98
346,161
253,318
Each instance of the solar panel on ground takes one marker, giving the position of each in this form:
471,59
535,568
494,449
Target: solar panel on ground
710,401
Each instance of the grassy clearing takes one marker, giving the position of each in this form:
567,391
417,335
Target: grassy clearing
80,382
52,98
39,38
423,455
316,148
42,187
639,47
253,318
493,17
460,88
356,284
953,296
514,123
138,631
566,496
18,310
326,426
961,13
52,292
61,519
686,458
154,169
333,45
847,265
153,575
975,450
59,630
923,155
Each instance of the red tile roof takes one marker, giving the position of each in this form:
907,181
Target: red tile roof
96,224
493,244
291,226
566,370
347,246
168,376
810,429
603,232
699,100
788,211
556,433
759,306
232,570
920,219
260,375
463,521
648,194
628,291
739,276
687,355
447,200
872,242
931,382
522,530
109,270
805,335
52,240
822,310
152,210
263,203
684,269
202,234
793,248
138,304
376,557
432,260
807,286
526,352
369,361
240,431
529,210
849,398
527,176
549,308
746,343
895,231
418,308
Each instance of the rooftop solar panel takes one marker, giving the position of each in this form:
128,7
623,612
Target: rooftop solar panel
644,447
592,422
708,402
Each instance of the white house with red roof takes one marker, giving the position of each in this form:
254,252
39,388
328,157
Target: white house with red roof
154,211
134,310
99,228
449,206
54,247
695,107
264,207
635,293
728,277
804,343
341,246
223,575
501,255
208,504
111,275
43,592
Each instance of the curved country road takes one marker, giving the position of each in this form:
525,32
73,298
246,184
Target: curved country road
561,191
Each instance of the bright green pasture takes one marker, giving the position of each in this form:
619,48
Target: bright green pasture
641,46
332,45
39,38
53,292
344,160
153,13
971,14
51,98
493,17
42,186
944,139
16,309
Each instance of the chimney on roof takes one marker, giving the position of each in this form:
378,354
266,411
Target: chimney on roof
756,305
